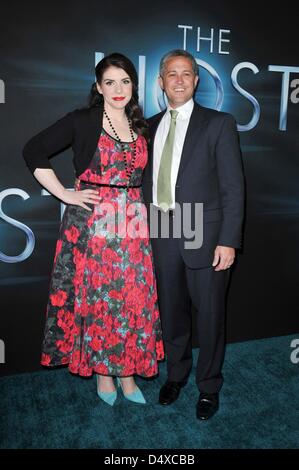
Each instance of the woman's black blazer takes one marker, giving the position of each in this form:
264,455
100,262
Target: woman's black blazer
79,129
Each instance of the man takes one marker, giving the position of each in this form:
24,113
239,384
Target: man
194,157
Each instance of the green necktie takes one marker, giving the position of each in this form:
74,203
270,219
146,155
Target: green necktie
164,197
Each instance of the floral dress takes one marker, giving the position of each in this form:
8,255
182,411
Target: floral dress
102,313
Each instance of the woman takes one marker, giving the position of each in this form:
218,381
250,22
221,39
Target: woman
102,314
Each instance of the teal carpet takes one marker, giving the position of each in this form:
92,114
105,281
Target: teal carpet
259,408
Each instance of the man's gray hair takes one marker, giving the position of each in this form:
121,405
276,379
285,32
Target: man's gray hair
178,53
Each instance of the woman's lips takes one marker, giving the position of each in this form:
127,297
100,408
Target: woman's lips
119,98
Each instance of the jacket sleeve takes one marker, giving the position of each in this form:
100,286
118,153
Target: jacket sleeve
49,142
231,183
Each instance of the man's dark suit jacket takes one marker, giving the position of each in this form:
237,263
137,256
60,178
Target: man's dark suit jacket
210,172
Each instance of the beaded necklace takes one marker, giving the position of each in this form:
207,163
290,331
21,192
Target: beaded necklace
130,170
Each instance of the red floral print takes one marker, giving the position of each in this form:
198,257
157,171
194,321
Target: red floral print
102,313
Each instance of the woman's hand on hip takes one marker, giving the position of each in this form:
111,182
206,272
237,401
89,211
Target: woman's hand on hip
81,198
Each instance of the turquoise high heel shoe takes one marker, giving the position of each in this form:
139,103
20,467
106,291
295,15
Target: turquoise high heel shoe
135,396
107,397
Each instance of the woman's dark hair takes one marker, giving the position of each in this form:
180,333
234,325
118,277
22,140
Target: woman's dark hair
133,110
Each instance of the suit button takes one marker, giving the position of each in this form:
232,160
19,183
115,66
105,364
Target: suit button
177,186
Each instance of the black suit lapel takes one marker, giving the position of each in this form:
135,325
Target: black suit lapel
192,136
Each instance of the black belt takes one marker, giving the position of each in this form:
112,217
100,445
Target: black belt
121,186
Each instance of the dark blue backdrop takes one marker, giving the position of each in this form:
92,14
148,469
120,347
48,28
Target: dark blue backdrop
249,67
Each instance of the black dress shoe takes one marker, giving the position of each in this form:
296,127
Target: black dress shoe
207,405
169,392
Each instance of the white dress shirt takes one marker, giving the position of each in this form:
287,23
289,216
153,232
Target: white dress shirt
182,122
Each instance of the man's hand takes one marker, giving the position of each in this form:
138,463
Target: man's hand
223,257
